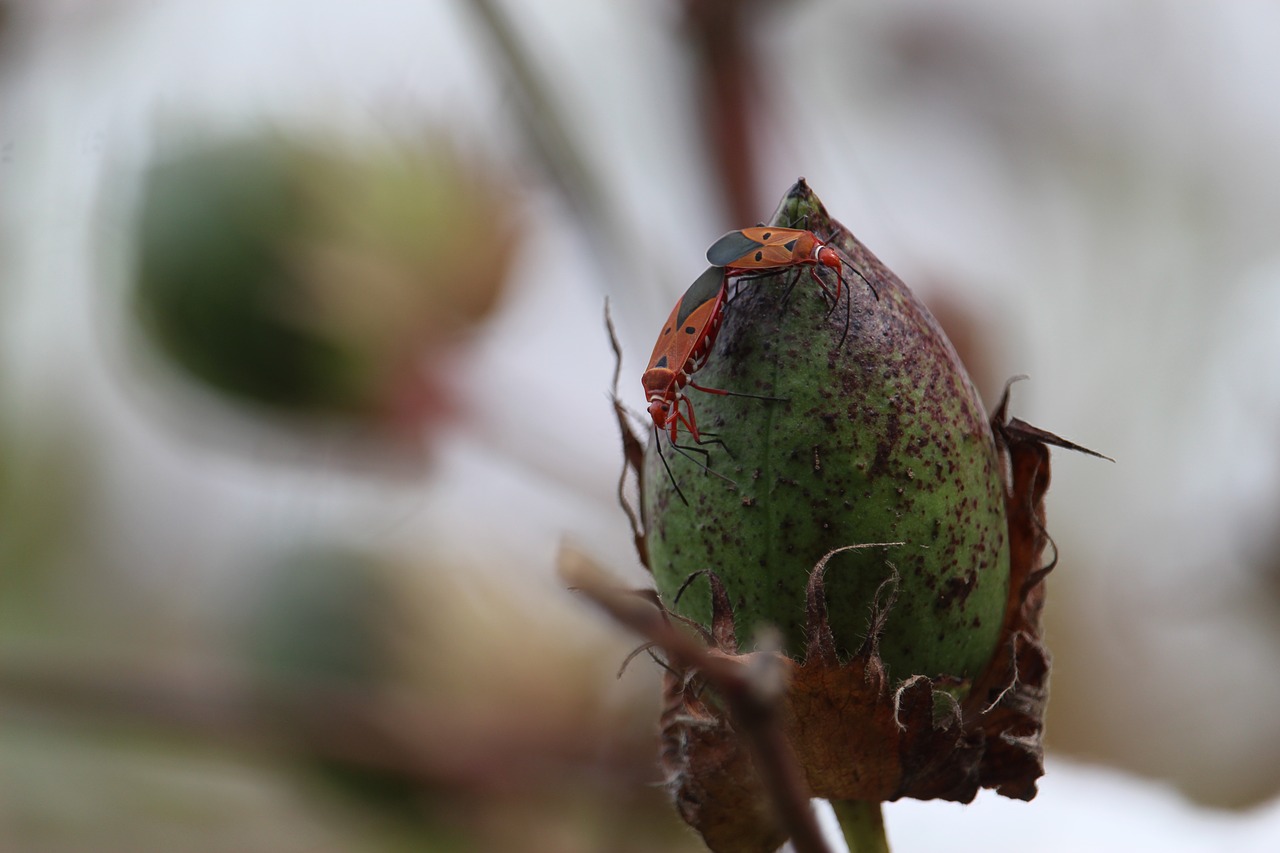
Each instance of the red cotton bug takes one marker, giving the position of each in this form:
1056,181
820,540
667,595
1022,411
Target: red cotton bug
764,248
682,350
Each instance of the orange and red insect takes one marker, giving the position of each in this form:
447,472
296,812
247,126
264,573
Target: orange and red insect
765,248
682,349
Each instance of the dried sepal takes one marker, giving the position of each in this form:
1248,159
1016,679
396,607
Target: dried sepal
1008,702
713,782
632,450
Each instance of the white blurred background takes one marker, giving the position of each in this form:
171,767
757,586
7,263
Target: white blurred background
1087,193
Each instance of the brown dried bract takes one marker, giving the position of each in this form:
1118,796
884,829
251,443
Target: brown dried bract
632,448
856,735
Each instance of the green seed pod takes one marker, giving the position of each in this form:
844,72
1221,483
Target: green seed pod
877,435
863,504
317,279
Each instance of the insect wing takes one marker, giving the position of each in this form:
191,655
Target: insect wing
767,257
731,247
703,290
767,236
762,248
662,348
684,328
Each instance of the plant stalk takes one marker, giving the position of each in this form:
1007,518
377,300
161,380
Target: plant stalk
862,823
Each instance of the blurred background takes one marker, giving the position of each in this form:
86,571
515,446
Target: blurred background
304,379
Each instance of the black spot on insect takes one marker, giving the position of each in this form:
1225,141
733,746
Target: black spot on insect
662,362
767,235
689,330
666,331
760,255
790,246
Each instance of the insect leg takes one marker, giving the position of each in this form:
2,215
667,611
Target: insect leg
691,424
736,394
848,312
834,297
786,299
684,450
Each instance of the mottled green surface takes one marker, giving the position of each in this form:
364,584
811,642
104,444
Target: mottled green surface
880,439
313,277
215,282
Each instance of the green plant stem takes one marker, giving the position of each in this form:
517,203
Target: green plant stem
862,823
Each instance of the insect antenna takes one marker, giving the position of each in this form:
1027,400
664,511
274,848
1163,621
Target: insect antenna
657,443
865,280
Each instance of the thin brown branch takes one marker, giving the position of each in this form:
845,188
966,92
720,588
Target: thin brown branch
387,731
752,692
